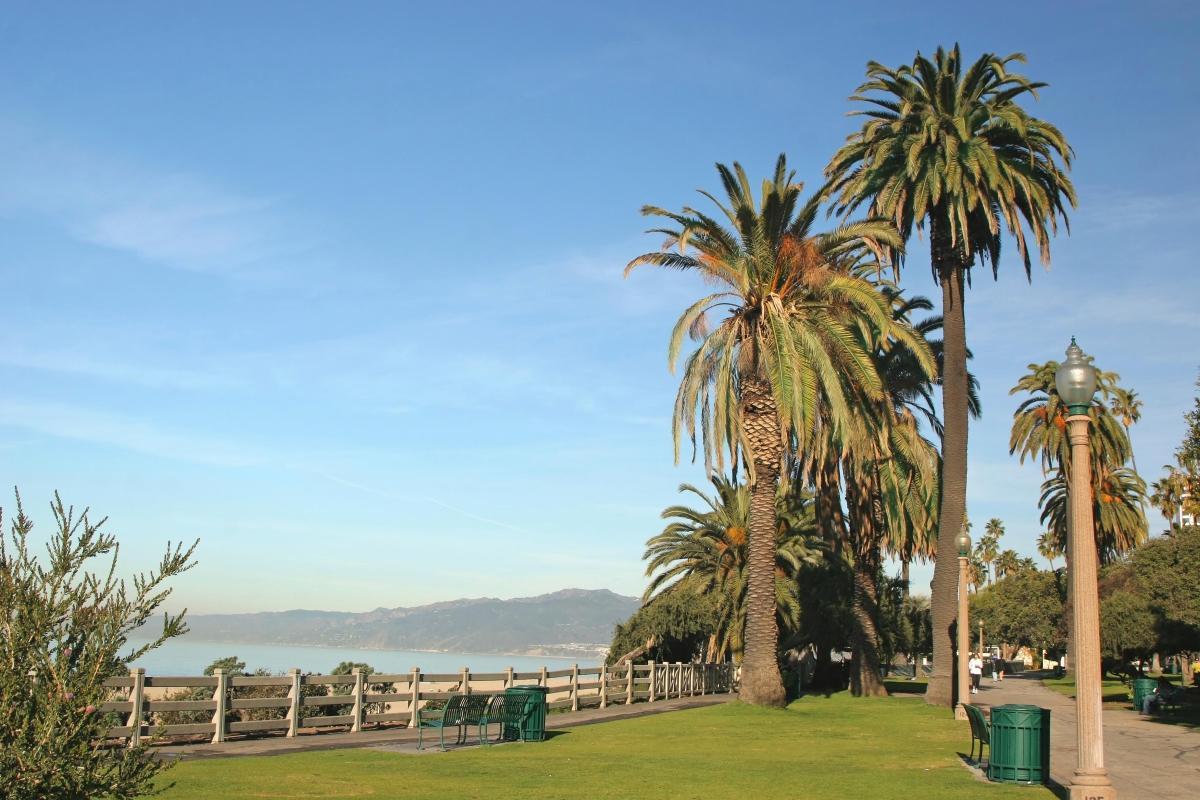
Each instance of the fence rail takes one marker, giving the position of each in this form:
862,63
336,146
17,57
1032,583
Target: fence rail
297,703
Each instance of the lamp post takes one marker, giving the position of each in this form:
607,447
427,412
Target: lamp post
980,650
964,630
1076,384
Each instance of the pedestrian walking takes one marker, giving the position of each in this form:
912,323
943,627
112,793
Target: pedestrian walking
975,667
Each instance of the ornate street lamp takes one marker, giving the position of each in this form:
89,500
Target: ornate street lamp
1076,384
964,630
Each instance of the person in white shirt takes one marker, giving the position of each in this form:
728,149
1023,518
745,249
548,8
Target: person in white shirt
975,667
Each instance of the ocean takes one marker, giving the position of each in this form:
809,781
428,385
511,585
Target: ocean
183,656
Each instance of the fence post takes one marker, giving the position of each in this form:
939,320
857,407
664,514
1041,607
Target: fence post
542,679
653,670
604,685
508,678
136,694
221,695
464,680
416,698
356,725
574,687
629,682
295,694
691,679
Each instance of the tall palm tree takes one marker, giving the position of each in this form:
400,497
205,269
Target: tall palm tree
793,331
953,149
704,551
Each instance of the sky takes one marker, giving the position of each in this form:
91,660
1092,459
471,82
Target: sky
337,288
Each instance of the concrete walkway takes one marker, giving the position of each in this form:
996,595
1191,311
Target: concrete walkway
1145,759
403,739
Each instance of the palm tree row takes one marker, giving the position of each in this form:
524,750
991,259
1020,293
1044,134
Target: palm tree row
808,368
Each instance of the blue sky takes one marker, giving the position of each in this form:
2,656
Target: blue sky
339,290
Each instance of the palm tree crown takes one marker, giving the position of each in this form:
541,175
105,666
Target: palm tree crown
799,315
956,148
704,551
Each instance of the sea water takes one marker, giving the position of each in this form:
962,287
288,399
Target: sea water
184,656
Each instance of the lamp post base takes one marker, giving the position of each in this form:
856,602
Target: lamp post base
961,713
1092,786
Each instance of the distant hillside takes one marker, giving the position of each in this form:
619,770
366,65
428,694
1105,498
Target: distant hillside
567,622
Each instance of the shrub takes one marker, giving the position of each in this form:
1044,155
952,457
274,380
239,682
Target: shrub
67,619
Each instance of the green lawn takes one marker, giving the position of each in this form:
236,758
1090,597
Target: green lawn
1111,690
820,747
1117,695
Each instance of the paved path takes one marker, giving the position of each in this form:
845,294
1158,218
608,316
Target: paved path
1146,760
403,739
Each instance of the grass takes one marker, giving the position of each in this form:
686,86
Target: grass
1115,694
1111,689
818,748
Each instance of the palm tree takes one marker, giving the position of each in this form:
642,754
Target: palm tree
1039,428
891,482
954,150
988,546
1047,548
792,334
1118,494
704,552
1177,491
1127,407
1007,563
977,572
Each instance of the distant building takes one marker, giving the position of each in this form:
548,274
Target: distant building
1181,519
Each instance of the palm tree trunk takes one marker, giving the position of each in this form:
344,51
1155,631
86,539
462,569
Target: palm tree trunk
830,520
762,683
866,526
950,270
904,576
866,680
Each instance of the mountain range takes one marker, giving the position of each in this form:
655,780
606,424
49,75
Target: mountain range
567,622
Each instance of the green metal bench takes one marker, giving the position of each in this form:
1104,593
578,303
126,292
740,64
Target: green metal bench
1169,697
459,712
980,731
506,710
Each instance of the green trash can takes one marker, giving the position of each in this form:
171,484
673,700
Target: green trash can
533,721
1142,688
1020,744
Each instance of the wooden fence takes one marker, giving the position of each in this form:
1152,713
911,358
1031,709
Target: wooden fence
222,705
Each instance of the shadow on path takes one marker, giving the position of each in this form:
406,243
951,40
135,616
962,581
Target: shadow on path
1145,759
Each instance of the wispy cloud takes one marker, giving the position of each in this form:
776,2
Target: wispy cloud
402,498
1120,210
72,361
161,216
89,425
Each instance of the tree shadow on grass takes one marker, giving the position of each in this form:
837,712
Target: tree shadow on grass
904,686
